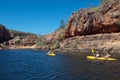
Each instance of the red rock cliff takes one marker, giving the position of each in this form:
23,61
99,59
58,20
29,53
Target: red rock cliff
4,34
102,19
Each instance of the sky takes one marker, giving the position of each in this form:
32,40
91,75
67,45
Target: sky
39,16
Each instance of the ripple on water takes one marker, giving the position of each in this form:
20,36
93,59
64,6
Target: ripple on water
35,65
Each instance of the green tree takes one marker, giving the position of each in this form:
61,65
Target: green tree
103,1
118,23
17,42
62,24
39,41
60,36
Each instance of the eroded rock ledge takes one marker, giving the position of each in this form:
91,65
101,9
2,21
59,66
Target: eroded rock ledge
102,19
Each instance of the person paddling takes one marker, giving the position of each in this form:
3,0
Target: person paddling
107,55
49,51
93,51
95,54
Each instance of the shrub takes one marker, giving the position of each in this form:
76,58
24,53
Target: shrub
62,24
118,23
17,42
103,1
60,36
39,41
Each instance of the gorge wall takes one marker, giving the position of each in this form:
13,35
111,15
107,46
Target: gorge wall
102,19
12,39
4,34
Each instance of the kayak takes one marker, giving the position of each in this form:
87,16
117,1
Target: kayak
51,54
99,58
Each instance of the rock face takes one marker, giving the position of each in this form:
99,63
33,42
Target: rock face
52,40
102,19
12,39
4,34
22,38
102,42
53,37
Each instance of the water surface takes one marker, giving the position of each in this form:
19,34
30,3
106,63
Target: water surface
36,65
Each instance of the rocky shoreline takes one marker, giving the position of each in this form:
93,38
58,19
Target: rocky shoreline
97,41
77,44
104,42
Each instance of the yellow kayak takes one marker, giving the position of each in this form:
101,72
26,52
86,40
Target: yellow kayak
51,54
99,58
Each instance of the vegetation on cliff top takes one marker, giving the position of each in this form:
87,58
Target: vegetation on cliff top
15,33
52,39
40,41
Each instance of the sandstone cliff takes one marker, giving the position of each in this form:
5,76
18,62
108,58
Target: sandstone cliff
16,39
102,19
84,28
4,34
52,40
98,41
56,35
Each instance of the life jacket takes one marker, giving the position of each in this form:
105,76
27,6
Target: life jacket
92,51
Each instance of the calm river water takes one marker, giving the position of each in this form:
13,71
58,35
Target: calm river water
36,65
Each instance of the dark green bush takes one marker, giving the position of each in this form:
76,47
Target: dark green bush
118,23
39,41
